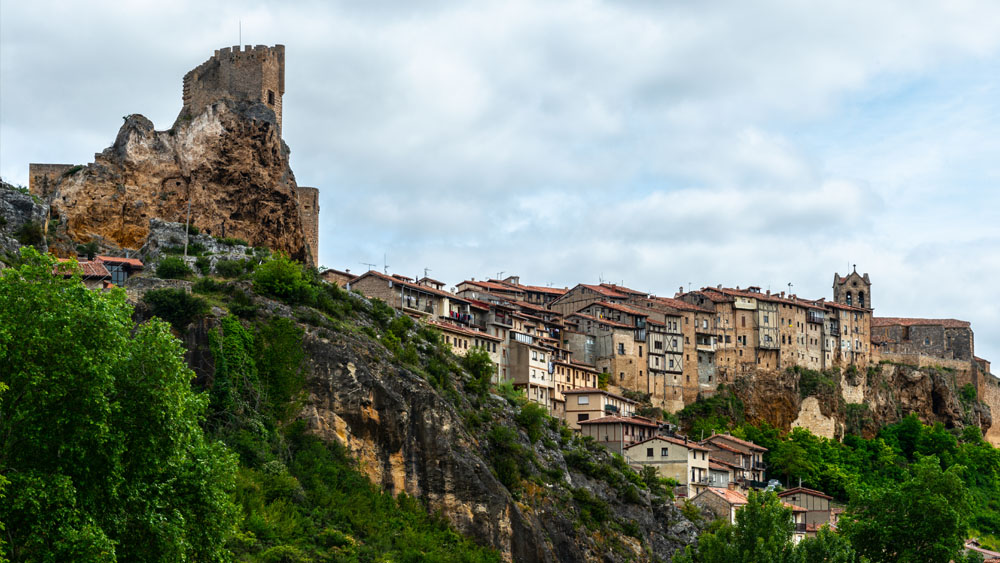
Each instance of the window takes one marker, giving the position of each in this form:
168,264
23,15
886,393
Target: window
621,376
534,355
621,348
270,97
658,345
765,319
664,452
743,320
649,452
582,417
583,399
927,341
640,351
671,362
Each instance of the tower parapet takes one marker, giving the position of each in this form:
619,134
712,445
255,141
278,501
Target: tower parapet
255,73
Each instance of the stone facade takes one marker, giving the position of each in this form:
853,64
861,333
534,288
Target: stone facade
308,201
42,177
255,74
949,339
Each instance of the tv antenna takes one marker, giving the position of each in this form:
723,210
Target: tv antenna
385,266
371,265
789,289
426,269
500,275
240,42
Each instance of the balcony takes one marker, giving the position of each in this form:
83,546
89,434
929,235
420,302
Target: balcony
705,345
500,319
464,318
800,527
816,318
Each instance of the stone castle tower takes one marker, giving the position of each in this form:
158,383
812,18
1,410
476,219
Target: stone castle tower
853,289
256,74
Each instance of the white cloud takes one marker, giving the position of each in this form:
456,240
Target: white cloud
651,143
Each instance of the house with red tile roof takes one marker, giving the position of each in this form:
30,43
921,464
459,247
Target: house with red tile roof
683,460
93,273
584,294
817,506
120,269
746,458
617,432
591,403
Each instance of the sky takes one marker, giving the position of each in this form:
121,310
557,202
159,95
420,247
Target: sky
651,143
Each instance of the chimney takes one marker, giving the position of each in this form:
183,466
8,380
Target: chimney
732,485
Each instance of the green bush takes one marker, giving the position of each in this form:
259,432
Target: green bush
30,233
203,264
176,306
282,278
532,418
230,268
89,250
207,286
173,268
231,241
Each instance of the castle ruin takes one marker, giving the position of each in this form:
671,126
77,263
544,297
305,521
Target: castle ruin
253,74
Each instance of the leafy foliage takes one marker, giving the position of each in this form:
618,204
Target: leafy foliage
30,233
231,268
282,278
923,518
176,306
101,438
173,268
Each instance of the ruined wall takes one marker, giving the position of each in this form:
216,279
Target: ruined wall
308,200
42,177
255,74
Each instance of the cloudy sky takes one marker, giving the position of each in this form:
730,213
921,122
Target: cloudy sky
659,144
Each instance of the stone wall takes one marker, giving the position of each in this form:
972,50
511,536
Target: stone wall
41,177
308,200
255,74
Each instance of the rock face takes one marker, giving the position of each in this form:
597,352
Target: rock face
21,217
228,163
861,401
408,438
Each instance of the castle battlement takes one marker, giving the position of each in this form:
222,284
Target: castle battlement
254,73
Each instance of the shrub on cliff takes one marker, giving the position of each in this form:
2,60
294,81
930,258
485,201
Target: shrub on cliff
173,268
176,306
282,278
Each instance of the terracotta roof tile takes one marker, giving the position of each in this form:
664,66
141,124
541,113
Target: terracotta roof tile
731,497
736,440
603,321
605,291
579,390
463,330
399,280
616,307
88,270
679,304
135,263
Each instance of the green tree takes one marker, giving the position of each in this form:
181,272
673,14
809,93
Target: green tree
478,363
762,533
99,431
282,278
791,460
920,519
826,547
173,268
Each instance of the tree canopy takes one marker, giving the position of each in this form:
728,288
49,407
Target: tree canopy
100,435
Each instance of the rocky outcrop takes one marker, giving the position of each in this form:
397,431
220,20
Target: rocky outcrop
409,438
227,164
22,220
860,401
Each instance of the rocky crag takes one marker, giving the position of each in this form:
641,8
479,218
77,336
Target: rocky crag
833,403
571,502
22,220
227,164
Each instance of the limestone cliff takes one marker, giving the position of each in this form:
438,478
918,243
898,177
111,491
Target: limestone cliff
22,220
227,163
860,401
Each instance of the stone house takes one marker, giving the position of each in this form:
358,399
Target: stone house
569,375
817,505
337,277
949,339
403,294
590,403
685,323
722,502
501,289
462,339
854,326
746,458
617,432
684,460
529,369
584,294
93,273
